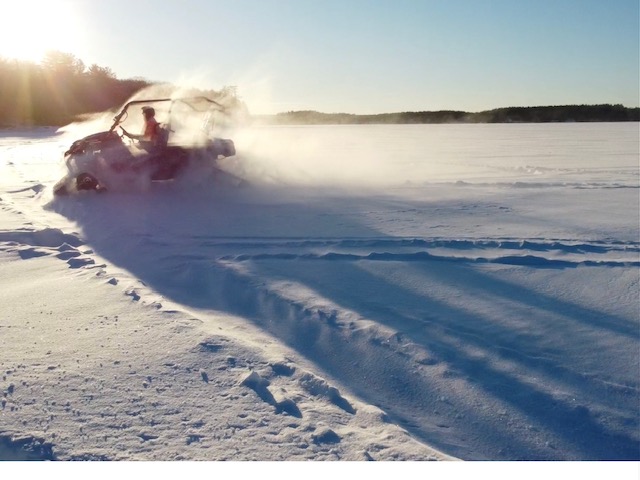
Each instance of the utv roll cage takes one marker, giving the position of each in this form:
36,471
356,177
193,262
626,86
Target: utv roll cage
191,102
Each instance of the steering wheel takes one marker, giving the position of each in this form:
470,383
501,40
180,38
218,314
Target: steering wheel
120,120
124,137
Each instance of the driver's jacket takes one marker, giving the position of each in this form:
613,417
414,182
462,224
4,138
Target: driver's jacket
150,140
151,127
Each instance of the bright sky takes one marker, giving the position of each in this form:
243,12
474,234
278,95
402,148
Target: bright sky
356,56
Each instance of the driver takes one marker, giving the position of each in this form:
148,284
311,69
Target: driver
149,139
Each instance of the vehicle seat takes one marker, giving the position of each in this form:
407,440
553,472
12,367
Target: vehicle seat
163,136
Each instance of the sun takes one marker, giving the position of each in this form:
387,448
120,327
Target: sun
30,28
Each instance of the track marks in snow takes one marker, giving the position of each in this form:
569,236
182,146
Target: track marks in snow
408,349
523,260
535,253
380,349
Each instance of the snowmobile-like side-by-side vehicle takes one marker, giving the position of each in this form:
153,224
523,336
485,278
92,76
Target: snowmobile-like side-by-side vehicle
187,136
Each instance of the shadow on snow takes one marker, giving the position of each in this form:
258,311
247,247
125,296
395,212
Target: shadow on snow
494,375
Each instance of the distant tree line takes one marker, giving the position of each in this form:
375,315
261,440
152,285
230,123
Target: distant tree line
564,113
61,88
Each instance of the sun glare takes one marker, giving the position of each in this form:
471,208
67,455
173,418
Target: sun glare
30,28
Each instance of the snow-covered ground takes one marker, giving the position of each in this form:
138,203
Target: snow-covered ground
374,293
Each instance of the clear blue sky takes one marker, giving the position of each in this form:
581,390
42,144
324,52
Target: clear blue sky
373,56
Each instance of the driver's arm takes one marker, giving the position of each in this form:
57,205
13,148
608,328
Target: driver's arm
131,135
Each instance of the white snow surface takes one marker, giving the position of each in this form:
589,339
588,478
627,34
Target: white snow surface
373,293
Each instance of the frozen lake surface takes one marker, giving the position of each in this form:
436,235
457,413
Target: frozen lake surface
375,292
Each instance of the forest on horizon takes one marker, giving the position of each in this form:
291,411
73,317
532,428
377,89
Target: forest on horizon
61,88
545,114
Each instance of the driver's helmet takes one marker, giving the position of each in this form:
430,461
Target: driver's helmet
148,111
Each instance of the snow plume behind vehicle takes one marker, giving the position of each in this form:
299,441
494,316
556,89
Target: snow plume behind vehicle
331,156
365,157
